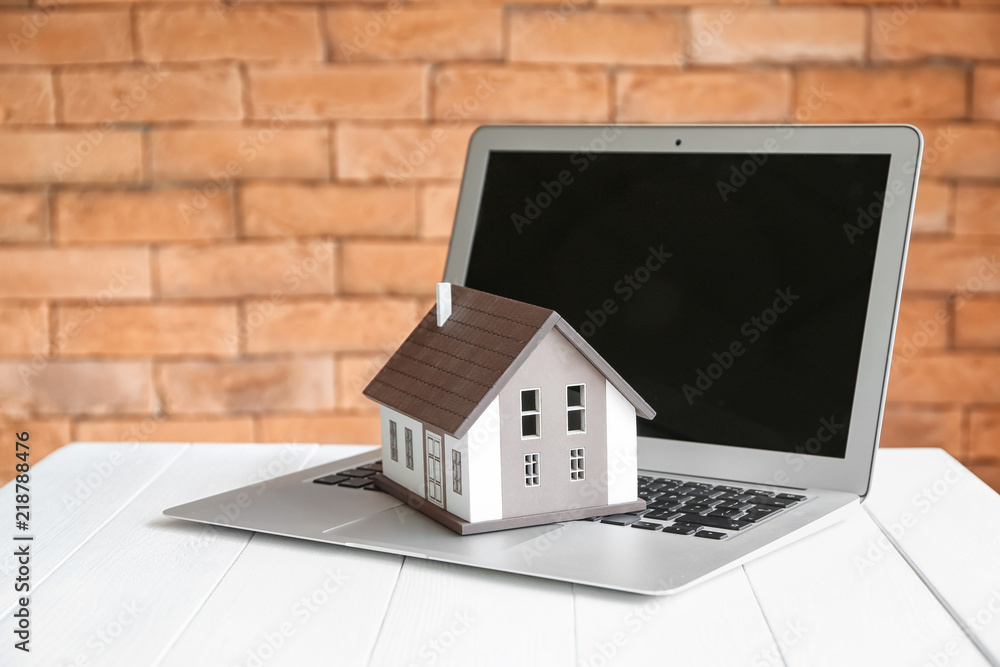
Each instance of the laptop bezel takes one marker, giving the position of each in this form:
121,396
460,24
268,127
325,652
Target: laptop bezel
797,470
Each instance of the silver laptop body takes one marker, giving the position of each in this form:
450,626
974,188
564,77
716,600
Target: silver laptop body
706,221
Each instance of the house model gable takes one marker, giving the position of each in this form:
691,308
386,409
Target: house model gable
497,414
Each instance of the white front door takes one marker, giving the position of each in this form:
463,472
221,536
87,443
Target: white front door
434,470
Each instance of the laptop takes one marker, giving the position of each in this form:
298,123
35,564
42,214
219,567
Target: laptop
744,280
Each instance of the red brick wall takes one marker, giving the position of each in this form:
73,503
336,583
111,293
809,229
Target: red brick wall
216,218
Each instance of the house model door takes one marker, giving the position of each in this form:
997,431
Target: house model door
434,469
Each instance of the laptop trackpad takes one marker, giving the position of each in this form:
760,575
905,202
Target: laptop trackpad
403,529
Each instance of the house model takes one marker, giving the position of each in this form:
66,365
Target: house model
497,414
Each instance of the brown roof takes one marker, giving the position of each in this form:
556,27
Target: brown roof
446,376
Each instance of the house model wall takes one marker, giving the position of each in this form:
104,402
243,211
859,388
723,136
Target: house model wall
497,414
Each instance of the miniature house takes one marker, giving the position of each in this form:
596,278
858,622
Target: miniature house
497,414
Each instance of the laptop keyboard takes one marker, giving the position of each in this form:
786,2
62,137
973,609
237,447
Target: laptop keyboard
355,478
710,511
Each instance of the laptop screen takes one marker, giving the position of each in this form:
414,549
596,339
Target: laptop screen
730,291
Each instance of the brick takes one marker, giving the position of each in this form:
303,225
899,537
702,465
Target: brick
266,150
989,474
977,324
392,267
44,387
336,92
246,33
130,216
933,207
413,32
931,31
322,429
777,34
401,152
23,217
946,379
71,156
354,372
143,330
151,94
946,266
26,98
531,94
960,150
271,209
102,274
44,436
921,326
235,387
327,326
904,93
596,36
64,36
671,3
169,429
906,426
243,269
664,97
977,209
24,329
437,205
984,435
986,92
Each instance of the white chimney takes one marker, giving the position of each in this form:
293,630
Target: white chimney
443,303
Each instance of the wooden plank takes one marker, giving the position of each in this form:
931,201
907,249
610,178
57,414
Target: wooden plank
445,614
124,595
290,602
75,491
715,623
947,522
844,596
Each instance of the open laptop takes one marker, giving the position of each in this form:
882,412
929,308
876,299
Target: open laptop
743,279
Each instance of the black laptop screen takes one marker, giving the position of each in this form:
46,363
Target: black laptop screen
730,292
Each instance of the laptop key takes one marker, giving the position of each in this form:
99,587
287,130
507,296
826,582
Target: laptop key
790,496
715,522
376,466
330,479
759,514
725,513
711,535
663,515
357,472
774,502
759,492
646,525
356,483
680,530
620,519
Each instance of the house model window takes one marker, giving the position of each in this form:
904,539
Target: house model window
531,469
531,414
576,409
409,449
576,467
456,471
393,441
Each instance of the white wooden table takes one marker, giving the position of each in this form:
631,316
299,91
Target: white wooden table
912,579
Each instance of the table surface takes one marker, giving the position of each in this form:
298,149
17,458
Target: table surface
912,578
